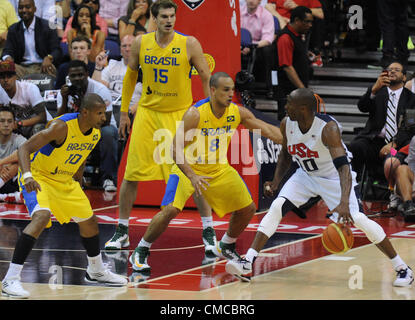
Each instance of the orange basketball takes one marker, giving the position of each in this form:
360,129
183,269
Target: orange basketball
337,238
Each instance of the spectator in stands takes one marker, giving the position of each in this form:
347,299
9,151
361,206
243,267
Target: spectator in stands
31,43
282,9
260,23
100,22
112,74
137,21
293,61
386,102
29,106
69,99
80,49
9,143
84,24
7,18
393,24
112,11
406,183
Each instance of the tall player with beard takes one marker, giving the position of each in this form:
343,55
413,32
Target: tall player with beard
166,58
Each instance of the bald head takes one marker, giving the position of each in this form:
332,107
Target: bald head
303,97
91,100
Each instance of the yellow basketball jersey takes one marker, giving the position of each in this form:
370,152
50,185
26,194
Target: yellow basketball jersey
166,71
60,163
208,151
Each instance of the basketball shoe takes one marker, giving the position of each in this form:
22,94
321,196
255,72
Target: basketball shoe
12,288
106,277
139,259
119,240
404,278
241,269
209,239
226,251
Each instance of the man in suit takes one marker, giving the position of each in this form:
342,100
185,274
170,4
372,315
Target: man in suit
386,102
31,43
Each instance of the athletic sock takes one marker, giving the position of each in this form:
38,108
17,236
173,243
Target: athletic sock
95,263
251,255
23,247
91,245
14,271
124,222
207,222
144,243
227,239
398,263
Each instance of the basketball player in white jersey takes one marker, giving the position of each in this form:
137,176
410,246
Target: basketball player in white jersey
314,141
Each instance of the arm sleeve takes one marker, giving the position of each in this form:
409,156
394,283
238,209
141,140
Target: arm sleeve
128,87
285,51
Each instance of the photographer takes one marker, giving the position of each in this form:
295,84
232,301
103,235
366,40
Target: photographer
386,102
69,99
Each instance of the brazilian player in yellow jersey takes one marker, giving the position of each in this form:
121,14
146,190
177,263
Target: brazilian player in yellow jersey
201,167
166,58
50,173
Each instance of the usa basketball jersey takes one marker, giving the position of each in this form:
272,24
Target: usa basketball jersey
308,149
60,163
167,82
208,151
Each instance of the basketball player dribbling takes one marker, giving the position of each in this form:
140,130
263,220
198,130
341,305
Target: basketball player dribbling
314,141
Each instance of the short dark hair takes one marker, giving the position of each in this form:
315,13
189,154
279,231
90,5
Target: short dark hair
162,4
78,63
214,79
81,38
299,12
7,108
90,100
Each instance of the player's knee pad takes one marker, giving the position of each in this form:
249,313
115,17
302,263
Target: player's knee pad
271,220
374,232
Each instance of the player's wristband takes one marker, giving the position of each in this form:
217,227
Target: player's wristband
26,175
340,161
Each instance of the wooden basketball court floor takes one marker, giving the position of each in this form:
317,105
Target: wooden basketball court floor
294,265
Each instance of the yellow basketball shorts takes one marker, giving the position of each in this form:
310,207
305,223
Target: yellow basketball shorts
149,150
65,201
226,193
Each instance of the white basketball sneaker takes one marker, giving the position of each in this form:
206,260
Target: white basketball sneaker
105,277
241,268
404,278
13,288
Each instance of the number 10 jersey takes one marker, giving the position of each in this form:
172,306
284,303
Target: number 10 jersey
308,149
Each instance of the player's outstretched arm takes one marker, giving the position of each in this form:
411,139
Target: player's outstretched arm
184,135
55,132
283,164
331,138
249,121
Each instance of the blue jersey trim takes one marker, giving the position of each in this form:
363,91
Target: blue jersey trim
181,33
171,188
325,117
201,102
68,116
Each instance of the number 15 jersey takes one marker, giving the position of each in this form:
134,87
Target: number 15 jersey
308,149
167,85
